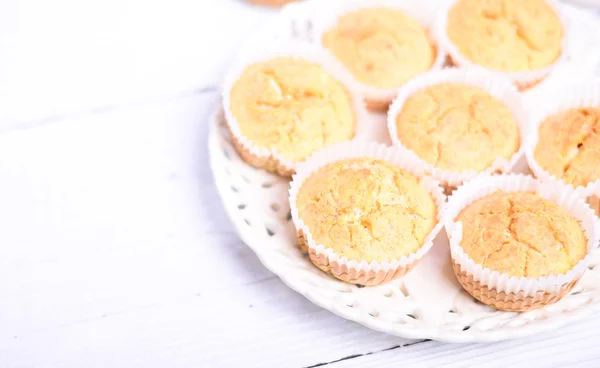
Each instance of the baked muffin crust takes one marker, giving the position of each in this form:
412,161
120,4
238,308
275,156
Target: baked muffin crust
569,145
506,35
458,127
366,210
381,47
291,106
522,234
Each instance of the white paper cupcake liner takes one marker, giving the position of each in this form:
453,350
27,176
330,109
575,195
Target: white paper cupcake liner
424,12
594,197
503,283
351,270
523,79
271,159
550,101
498,87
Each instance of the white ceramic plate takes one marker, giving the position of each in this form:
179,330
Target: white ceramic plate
592,4
426,304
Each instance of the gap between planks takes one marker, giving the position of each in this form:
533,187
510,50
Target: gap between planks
354,356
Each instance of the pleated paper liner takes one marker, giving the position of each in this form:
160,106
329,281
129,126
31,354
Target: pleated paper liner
506,292
523,80
517,302
425,12
270,159
356,271
594,198
499,88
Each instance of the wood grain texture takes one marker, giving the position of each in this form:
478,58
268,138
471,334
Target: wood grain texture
61,59
116,251
557,349
114,248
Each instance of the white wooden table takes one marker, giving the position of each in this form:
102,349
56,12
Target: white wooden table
114,248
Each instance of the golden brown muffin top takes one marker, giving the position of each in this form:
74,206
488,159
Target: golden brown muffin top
381,47
458,127
292,106
522,234
569,145
366,210
506,35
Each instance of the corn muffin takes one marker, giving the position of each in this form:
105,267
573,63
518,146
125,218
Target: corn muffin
569,145
458,127
366,210
382,47
291,107
506,35
522,234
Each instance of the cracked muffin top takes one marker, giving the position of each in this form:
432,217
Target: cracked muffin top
522,234
366,210
569,145
506,35
381,47
292,106
458,127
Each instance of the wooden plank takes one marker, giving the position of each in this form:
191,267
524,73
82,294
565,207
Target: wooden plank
573,346
116,251
63,59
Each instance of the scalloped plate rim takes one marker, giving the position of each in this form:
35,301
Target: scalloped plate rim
400,330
